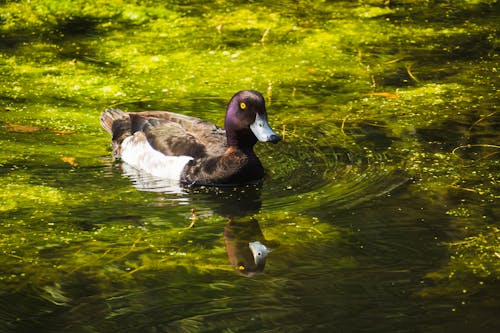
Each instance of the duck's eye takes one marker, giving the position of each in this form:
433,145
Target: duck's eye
243,106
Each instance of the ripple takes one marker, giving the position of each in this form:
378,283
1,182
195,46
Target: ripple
328,176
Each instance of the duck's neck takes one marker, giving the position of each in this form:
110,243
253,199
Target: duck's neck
245,150
244,140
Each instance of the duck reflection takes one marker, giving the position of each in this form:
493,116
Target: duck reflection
144,181
246,247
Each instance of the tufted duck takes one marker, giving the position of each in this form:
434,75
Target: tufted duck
191,150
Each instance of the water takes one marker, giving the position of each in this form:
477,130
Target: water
380,206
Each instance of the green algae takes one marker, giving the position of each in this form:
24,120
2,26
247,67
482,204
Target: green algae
361,92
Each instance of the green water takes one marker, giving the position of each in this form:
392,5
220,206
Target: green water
381,202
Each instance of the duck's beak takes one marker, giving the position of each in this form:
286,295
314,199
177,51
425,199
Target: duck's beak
263,131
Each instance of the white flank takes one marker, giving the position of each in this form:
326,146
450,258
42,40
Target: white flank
137,152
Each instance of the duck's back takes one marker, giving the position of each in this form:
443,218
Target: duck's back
170,133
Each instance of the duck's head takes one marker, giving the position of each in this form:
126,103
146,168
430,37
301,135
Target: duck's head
246,120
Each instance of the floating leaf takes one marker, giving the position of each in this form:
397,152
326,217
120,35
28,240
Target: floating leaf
22,128
383,94
70,160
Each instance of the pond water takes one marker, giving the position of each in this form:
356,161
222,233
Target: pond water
380,204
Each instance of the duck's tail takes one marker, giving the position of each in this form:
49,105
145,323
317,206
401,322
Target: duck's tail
109,116
117,124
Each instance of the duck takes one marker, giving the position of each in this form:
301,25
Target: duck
191,150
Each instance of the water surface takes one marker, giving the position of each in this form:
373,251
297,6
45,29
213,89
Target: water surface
380,204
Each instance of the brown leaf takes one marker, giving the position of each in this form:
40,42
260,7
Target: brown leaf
22,128
383,94
70,160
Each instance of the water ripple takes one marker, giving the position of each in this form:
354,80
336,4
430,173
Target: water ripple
326,176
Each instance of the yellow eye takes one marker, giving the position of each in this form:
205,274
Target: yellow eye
243,106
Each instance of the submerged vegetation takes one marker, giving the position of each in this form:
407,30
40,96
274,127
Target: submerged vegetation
369,96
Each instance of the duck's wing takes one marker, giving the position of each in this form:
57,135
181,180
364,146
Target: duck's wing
175,134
